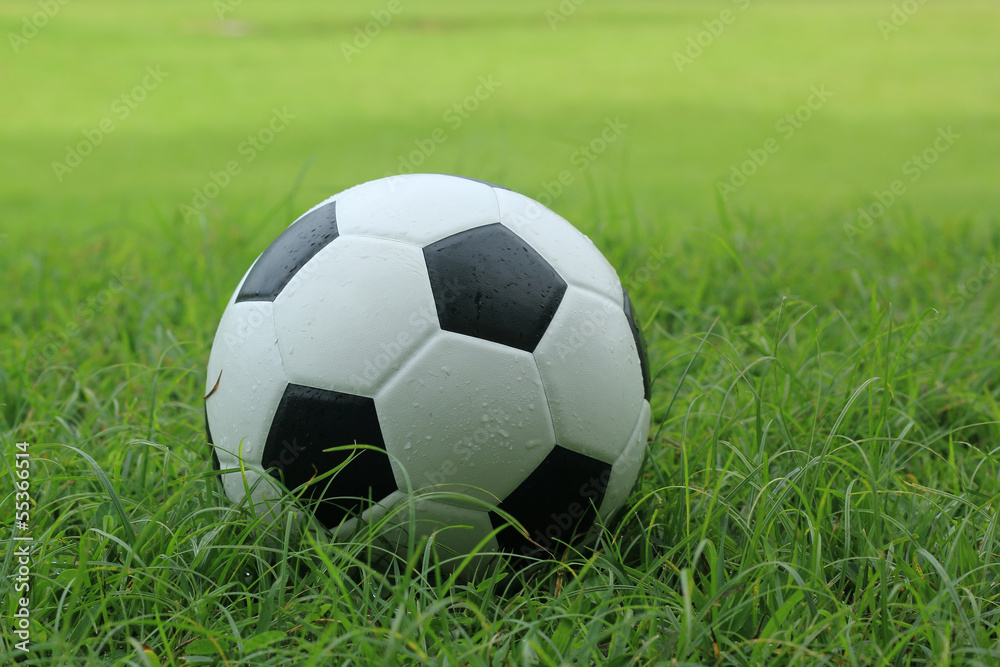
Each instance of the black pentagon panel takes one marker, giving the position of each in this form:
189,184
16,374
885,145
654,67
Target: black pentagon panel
279,263
208,430
640,344
216,465
488,283
211,443
309,421
560,496
477,180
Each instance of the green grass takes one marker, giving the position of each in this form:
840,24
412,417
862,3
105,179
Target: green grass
822,481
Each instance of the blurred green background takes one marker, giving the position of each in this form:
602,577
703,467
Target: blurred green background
562,71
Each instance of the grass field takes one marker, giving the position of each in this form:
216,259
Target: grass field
822,482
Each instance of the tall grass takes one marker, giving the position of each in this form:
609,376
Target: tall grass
820,486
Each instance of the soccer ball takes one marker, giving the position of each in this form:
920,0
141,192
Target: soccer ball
438,341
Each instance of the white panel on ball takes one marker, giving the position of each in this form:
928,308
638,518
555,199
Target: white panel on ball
418,208
457,531
246,364
465,416
354,314
591,373
370,516
625,470
566,248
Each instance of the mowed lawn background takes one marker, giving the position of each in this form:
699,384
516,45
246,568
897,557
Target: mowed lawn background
822,480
